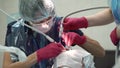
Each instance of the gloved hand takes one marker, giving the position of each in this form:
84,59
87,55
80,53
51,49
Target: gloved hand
75,23
50,51
114,37
71,38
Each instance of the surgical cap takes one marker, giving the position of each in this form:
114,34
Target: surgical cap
36,10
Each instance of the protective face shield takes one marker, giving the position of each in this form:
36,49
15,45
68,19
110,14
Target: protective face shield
39,13
36,10
44,25
115,7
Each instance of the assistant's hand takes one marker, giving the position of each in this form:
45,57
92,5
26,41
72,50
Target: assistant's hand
75,23
50,51
71,38
114,37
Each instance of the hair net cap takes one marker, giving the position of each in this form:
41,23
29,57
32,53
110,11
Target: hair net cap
36,10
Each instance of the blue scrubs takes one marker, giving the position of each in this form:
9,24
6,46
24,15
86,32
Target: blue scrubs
115,7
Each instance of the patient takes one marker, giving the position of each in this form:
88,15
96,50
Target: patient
75,58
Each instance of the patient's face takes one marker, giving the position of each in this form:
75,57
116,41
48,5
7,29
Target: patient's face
69,59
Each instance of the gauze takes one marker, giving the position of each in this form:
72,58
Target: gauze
36,10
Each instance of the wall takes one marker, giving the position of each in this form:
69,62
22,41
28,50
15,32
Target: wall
2,24
63,7
9,6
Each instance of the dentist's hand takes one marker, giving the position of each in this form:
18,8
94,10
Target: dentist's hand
50,51
114,37
75,23
71,38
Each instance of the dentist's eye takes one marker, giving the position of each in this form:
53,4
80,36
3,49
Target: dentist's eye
47,20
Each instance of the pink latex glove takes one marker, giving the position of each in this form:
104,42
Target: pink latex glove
75,23
71,38
50,51
114,37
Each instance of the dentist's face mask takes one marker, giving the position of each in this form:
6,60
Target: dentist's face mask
44,25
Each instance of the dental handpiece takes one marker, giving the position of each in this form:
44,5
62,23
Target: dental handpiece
61,25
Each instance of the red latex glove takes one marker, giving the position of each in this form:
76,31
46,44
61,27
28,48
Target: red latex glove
50,51
75,23
114,37
71,38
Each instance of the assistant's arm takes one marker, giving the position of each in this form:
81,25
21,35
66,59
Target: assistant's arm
101,18
32,59
49,51
93,47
